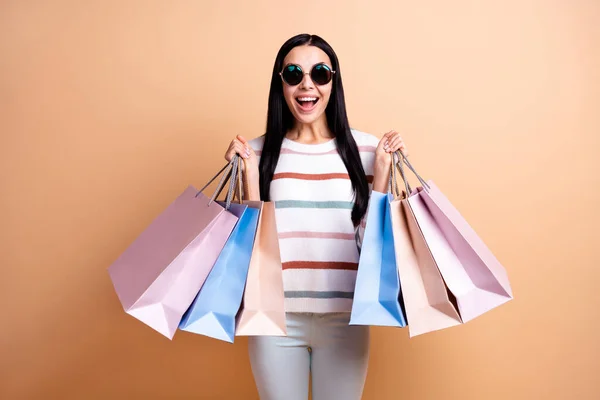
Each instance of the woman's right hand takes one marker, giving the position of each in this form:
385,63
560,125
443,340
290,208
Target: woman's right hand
240,146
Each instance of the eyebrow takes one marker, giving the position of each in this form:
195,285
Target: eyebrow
317,63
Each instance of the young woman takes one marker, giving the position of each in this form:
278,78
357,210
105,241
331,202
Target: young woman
317,171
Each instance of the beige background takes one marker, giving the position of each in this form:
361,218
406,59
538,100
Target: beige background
108,109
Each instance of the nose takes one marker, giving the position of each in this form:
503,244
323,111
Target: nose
307,82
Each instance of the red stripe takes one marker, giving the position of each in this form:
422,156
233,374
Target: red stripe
310,177
315,177
367,149
320,265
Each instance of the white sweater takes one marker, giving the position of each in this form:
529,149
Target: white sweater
313,204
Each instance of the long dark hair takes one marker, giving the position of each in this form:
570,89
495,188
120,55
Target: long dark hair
280,120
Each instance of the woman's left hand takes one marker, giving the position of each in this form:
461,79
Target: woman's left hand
389,143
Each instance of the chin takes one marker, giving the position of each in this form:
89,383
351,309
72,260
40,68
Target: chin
309,118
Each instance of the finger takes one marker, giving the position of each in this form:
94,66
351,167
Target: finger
244,144
385,140
236,144
395,140
241,139
233,150
389,137
396,144
242,150
392,141
393,146
246,149
382,143
385,137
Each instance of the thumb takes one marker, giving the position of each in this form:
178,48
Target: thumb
242,139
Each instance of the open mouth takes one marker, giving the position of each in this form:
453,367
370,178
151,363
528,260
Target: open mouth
307,103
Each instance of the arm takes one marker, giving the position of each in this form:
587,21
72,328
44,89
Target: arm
389,143
251,176
251,184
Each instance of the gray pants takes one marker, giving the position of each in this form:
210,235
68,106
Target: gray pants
320,346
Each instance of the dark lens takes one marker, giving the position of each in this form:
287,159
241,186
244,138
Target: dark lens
321,74
292,75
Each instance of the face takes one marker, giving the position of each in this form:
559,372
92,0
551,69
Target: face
307,101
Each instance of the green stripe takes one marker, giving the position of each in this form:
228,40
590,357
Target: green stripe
299,294
313,204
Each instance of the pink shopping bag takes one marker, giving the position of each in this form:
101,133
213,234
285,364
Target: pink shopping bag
157,277
428,305
470,270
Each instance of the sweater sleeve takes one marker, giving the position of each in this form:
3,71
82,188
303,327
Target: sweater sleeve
257,145
366,145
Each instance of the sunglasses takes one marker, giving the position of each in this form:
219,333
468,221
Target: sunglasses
320,74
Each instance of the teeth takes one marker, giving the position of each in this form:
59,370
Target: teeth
307,98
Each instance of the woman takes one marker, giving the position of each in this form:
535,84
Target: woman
316,170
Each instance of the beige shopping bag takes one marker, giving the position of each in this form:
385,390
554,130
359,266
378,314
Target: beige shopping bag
263,312
427,301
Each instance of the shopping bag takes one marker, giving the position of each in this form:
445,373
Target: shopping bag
263,312
157,277
470,270
214,310
428,304
377,293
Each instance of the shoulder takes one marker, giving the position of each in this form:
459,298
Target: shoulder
367,145
365,140
257,143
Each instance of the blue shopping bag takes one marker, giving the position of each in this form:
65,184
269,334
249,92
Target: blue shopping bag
216,305
377,293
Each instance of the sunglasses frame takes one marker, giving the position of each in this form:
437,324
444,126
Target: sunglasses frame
307,73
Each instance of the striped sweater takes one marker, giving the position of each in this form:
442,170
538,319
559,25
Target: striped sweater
313,204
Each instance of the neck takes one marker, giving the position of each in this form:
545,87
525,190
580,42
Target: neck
313,133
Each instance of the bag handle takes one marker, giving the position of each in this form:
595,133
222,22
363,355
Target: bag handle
226,168
394,188
231,188
229,174
400,168
240,182
393,181
235,182
409,165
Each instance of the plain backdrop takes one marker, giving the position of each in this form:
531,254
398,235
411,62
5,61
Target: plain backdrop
109,109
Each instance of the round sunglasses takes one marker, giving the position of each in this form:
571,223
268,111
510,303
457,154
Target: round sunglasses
320,74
